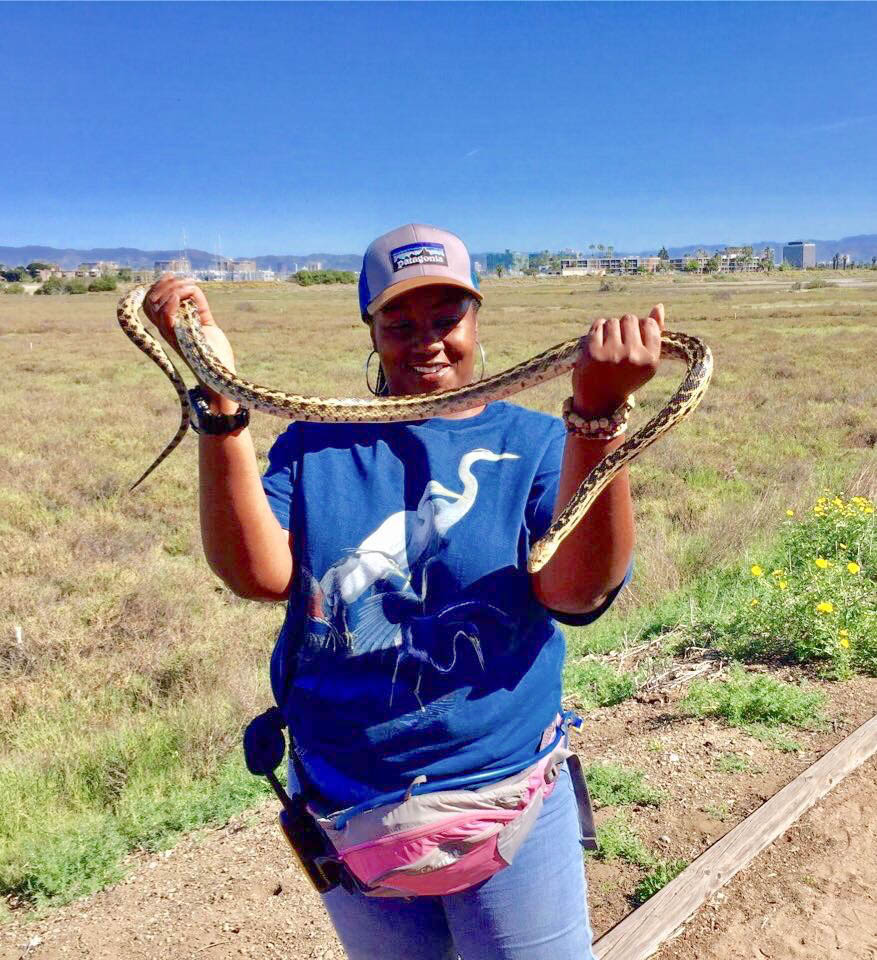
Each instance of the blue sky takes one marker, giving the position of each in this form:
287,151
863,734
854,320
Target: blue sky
315,127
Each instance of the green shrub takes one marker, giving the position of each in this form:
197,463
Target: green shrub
656,879
815,597
52,287
13,288
67,825
611,785
617,839
307,278
597,684
102,284
75,286
745,699
731,763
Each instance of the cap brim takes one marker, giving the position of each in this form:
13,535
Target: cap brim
412,283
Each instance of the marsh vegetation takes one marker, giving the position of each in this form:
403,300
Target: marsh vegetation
127,670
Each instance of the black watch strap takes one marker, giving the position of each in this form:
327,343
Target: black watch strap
203,421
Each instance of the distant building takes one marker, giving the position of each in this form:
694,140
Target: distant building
181,267
700,257
478,267
97,268
579,266
800,254
52,270
244,270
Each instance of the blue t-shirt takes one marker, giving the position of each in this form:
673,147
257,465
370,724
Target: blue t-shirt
412,642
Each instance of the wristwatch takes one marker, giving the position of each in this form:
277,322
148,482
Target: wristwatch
214,424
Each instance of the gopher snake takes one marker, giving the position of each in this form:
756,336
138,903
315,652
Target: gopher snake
546,365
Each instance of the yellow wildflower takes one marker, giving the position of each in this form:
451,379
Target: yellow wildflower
756,570
782,584
790,513
843,638
777,573
842,546
825,607
838,502
753,602
853,567
867,509
821,562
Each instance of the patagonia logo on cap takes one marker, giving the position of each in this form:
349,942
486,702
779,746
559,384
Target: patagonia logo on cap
414,253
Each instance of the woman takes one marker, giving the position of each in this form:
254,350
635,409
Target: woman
416,645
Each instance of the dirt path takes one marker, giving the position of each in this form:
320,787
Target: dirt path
811,894
233,891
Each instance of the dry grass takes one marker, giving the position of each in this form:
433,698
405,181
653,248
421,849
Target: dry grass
110,616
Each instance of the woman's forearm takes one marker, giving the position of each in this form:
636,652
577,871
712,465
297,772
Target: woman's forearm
595,556
243,541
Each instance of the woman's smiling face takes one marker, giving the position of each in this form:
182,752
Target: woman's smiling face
427,339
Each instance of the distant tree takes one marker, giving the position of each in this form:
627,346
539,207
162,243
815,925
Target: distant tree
34,267
125,275
691,266
663,254
766,260
15,274
102,284
499,269
713,264
307,278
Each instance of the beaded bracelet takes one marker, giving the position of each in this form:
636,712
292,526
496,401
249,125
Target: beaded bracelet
599,428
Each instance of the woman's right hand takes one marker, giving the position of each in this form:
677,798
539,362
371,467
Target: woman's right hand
161,303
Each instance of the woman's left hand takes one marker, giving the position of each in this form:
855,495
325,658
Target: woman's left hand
619,355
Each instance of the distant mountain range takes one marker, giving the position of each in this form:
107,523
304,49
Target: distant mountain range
861,248
70,258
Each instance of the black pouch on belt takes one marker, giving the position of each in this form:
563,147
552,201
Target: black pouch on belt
309,844
264,749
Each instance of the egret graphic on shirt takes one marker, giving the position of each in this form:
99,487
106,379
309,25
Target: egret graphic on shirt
376,577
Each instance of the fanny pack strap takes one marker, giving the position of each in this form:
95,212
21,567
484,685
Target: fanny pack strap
583,802
567,718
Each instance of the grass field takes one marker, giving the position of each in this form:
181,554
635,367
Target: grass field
127,669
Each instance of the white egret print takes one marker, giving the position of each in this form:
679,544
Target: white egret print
376,577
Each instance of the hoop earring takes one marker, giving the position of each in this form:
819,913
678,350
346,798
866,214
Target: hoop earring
380,389
483,358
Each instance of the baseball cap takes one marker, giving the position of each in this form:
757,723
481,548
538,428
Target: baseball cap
415,255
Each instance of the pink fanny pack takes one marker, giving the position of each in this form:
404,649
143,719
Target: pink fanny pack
444,841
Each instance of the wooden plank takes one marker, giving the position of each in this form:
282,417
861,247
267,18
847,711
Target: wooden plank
640,933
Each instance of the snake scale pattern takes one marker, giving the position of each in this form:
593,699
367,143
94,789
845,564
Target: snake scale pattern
551,363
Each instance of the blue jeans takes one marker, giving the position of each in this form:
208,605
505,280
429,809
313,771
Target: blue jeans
535,909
